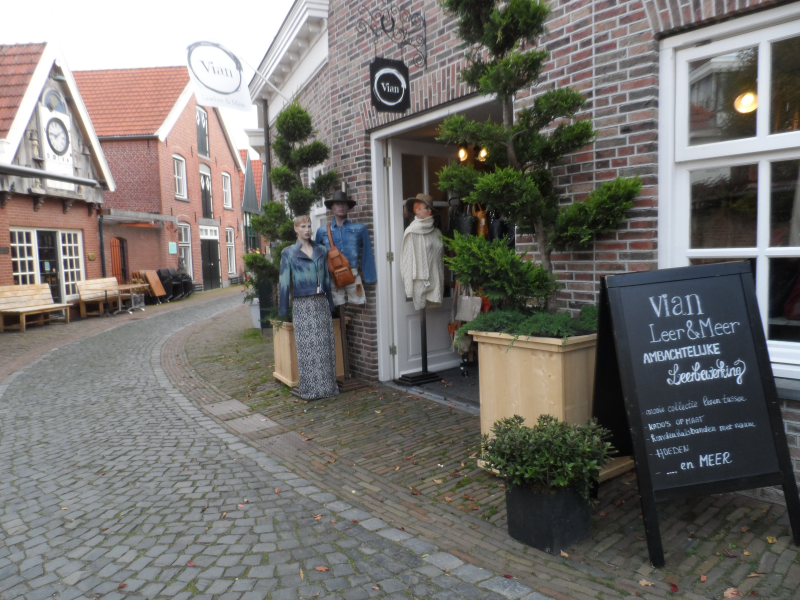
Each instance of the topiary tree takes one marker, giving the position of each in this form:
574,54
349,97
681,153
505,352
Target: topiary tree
503,58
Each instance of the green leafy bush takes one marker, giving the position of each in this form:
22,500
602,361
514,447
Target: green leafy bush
548,457
532,323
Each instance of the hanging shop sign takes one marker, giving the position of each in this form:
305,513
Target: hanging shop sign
684,380
218,76
388,80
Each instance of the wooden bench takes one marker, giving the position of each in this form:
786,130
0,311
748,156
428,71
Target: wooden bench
99,291
23,301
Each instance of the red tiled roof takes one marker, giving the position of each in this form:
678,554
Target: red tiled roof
17,64
130,101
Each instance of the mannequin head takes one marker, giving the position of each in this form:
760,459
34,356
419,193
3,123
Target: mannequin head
422,210
340,209
302,226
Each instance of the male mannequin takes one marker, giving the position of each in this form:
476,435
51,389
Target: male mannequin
352,240
421,261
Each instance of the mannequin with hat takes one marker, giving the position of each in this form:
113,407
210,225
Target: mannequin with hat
422,268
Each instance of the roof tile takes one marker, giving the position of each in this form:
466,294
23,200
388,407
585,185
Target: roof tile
17,64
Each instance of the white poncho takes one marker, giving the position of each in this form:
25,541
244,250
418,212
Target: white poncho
421,263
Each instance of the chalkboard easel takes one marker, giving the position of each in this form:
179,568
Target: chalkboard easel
684,382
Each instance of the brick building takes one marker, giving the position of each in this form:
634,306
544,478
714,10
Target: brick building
177,173
672,87
48,225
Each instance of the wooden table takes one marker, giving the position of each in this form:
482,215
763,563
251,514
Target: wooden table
127,287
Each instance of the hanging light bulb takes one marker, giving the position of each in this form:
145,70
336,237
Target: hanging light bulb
746,103
483,154
463,153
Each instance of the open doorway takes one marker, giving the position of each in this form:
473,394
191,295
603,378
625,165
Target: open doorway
119,259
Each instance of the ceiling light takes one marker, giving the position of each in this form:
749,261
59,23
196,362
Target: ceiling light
463,153
483,154
746,103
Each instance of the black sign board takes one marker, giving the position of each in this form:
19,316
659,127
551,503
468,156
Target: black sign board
388,82
684,381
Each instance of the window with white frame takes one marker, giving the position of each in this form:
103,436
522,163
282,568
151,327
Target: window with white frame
179,171
229,243
227,198
25,265
185,248
729,161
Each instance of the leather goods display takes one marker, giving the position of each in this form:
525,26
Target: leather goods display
482,222
464,222
338,265
469,306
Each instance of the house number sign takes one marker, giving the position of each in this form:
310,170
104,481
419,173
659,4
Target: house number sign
389,85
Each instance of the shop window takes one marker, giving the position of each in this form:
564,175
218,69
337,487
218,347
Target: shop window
227,198
202,132
23,259
179,171
729,173
231,248
48,256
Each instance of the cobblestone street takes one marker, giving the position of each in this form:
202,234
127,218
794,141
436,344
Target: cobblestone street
159,459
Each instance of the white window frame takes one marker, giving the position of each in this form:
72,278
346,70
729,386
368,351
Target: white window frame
77,266
227,197
677,159
230,245
180,178
185,245
27,275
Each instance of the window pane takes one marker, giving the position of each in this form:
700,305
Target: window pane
785,113
722,97
785,204
724,207
714,261
784,299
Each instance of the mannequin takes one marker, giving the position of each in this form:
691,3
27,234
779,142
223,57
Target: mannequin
304,273
422,268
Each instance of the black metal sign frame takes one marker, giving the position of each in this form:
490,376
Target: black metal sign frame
617,404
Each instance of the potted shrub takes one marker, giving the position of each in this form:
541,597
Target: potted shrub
550,470
549,369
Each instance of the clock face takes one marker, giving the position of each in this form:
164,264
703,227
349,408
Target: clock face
57,136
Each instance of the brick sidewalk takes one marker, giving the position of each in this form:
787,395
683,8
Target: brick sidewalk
411,462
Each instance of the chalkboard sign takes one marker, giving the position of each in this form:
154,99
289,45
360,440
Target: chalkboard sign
684,381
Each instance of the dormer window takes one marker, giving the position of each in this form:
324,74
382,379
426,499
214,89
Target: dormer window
202,132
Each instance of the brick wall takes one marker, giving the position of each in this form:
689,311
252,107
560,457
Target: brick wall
143,246
134,164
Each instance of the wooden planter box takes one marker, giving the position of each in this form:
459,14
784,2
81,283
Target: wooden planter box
286,353
535,376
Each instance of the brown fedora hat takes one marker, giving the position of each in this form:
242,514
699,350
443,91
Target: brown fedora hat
340,196
424,198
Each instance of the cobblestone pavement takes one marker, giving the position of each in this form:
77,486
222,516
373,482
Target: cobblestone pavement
113,484
411,463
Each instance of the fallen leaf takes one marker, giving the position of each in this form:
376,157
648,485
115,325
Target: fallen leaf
302,576
753,593
355,520
321,569
64,508
240,505
602,514
375,587
401,528
771,540
203,509
437,481
103,528
673,588
446,499
407,457
644,582
475,508
730,593
468,498
703,578
190,563
746,553
277,490
224,515
507,576
317,517
397,468
564,554
745,528
333,521
308,439
122,585
728,554
754,575
446,571
379,411
415,493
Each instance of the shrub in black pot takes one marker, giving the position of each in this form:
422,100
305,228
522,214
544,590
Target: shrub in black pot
550,470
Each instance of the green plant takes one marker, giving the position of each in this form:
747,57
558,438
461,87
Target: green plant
532,323
298,151
504,56
497,271
548,457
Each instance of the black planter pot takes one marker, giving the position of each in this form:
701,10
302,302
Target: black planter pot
547,522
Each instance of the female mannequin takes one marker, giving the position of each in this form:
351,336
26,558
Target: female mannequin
304,272
421,262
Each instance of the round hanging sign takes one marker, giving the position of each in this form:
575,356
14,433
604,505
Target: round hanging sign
215,67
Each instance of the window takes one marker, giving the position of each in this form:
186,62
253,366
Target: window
185,249
227,199
729,161
179,170
202,132
206,200
23,260
229,237
48,256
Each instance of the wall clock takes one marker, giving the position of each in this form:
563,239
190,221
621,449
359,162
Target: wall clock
57,136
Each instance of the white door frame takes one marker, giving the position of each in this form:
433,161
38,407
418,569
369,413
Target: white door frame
382,224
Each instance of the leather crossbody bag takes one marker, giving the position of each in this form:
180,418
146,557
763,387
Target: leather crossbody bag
338,265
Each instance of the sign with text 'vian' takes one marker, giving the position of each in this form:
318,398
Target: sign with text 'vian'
684,381
389,86
218,77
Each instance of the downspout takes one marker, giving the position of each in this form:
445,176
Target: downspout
102,245
267,153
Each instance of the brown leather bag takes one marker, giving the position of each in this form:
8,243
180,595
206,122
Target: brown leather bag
338,265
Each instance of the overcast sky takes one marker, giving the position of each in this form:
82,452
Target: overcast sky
109,34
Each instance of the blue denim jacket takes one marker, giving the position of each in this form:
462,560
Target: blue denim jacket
305,275
352,240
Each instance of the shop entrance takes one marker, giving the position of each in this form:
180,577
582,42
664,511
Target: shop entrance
48,262
119,259
209,250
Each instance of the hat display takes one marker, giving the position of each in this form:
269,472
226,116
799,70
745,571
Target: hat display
340,196
424,198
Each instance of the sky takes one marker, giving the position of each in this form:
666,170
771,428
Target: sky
111,34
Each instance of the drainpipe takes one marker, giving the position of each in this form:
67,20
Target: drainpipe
268,161
102,245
